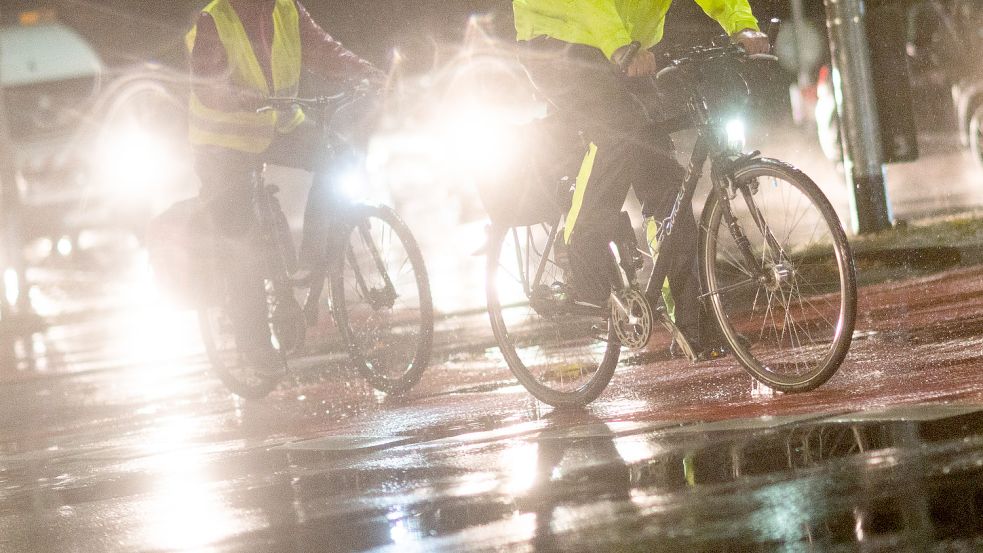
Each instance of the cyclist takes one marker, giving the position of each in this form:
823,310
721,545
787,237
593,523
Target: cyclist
242,53
571,49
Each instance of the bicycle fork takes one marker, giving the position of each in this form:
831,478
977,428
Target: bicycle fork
778,271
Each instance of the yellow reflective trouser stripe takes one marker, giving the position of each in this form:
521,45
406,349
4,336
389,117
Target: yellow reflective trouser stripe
586,167
689,469
652,237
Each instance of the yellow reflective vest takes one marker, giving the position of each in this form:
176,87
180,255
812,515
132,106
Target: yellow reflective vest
248,131
611,24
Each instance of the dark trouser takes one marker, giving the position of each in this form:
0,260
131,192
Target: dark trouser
589,93
227,192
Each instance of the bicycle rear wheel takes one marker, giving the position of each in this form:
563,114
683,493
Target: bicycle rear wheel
564,358
381,300
786,302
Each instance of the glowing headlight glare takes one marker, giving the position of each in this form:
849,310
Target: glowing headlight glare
735,134
11,285
476,139
352,184
64,246
132,157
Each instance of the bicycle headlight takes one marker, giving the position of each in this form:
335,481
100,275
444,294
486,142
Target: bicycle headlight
734,130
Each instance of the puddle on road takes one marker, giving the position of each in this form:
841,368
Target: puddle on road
897,479
892,479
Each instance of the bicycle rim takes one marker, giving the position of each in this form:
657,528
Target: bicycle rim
788,312
238,375
382,303
563,359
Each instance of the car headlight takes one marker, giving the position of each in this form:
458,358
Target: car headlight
134,160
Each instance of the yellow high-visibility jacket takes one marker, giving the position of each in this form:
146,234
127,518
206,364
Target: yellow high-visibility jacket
248,131
611,24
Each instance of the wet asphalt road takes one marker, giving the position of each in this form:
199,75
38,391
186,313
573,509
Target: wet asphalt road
114,437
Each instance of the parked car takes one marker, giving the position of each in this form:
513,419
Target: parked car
967,90
943,41
93,146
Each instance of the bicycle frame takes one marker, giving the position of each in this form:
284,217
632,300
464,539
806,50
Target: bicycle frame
280,251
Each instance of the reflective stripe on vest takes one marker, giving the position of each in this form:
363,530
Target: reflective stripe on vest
245,130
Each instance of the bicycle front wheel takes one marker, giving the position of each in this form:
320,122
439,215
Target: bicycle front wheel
564,358
380,299
786,297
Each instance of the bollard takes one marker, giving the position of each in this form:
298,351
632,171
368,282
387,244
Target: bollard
853,86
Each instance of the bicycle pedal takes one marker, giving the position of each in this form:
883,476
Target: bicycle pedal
677,335
303,277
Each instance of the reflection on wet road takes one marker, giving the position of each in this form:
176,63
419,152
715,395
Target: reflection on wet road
114,437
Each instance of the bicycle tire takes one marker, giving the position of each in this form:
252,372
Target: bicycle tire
370,363
229,366
577,397
817,345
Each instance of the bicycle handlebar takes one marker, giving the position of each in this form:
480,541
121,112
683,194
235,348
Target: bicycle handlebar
701,54
278,103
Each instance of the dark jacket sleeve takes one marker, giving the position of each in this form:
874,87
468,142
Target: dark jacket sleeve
325,56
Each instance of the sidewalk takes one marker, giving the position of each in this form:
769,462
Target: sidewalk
920,248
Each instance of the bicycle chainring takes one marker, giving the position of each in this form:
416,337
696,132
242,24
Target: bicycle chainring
632,318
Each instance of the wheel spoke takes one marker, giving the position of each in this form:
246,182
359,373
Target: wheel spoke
382,302
800,313
554,351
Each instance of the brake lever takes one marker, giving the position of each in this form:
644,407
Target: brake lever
763,57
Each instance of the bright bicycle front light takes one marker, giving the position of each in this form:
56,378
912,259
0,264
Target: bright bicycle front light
735,133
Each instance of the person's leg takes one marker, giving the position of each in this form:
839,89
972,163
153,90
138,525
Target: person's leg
587,93
600,191
657,185
227,196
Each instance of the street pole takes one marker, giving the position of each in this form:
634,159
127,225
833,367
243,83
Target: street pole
853,85
798,25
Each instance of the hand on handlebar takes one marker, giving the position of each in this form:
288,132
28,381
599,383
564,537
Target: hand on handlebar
642,64
753,42
249,99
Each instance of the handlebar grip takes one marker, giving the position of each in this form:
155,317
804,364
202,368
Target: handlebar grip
629,55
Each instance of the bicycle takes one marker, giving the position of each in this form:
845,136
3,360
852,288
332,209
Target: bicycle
380,296
782,291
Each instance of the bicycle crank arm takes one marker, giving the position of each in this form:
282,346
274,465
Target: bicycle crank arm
677,334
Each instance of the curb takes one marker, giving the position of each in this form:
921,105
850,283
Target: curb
923,257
